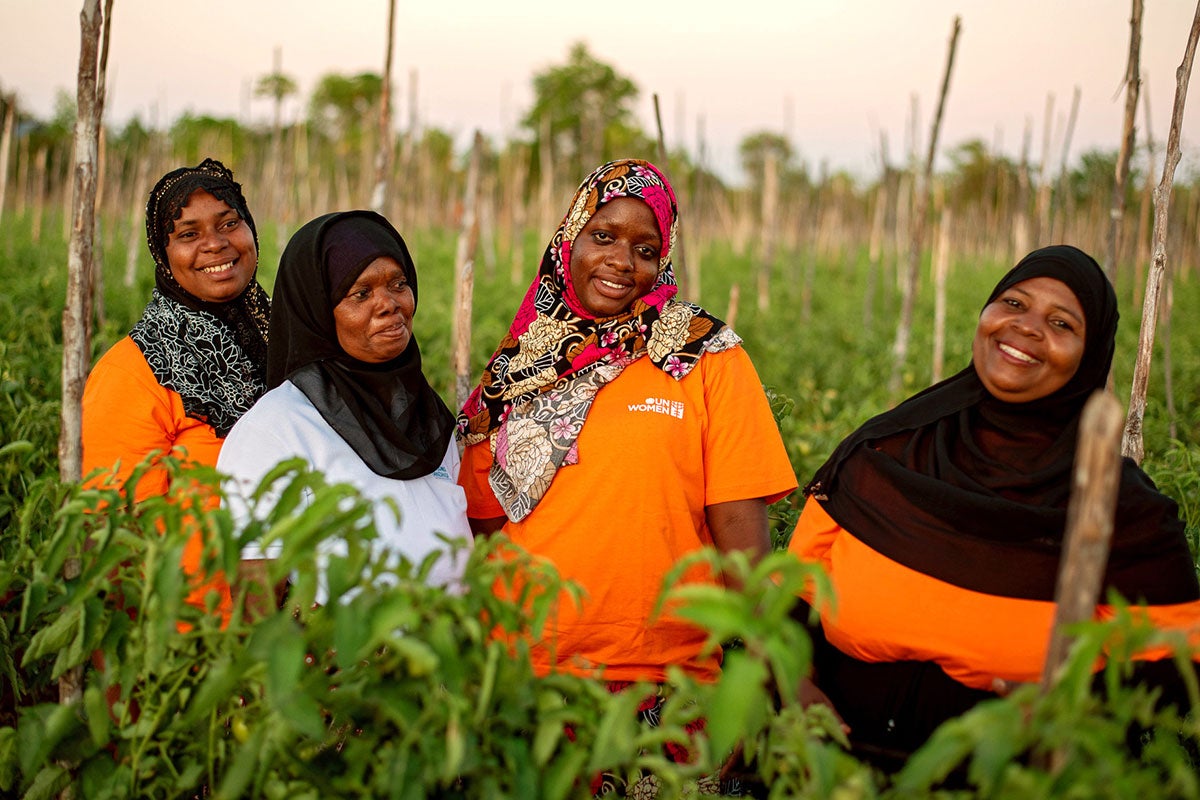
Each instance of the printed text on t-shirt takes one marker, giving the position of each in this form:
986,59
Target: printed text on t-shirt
658,405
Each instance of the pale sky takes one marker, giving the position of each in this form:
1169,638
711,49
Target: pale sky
830,74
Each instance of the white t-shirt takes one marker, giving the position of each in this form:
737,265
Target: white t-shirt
284,424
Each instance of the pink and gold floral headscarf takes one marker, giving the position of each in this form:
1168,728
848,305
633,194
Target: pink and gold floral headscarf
538,387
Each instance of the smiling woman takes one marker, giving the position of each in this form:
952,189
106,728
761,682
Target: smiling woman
617,429
196,361
956,500
347,394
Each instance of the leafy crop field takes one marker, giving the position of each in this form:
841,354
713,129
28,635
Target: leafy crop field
402,691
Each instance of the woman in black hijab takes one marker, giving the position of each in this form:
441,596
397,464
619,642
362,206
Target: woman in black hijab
346,391
941,521
196,360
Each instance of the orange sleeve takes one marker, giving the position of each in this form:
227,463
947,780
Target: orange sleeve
126,416
473,478
744,456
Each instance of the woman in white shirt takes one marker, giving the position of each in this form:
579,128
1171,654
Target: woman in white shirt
346,392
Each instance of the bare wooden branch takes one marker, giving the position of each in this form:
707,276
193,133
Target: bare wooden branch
941,267
1133,84
1132,444
677,260
464,269
10,117
770,227
1090,515
917,239
1063,196
383,156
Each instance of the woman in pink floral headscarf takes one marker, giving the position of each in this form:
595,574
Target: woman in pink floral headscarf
617,428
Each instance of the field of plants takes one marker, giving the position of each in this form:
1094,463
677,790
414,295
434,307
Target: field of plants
401,691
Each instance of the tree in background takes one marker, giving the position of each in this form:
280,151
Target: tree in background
341,104
278,86
588,107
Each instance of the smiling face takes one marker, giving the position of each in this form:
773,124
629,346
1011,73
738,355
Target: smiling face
1029,341
614,260
374,319
211,250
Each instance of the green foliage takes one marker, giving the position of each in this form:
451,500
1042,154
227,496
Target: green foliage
402,689
588,107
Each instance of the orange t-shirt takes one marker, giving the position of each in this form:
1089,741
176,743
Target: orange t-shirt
884,612
653,453
128,414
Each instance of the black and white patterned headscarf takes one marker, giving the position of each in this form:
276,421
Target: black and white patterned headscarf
213,354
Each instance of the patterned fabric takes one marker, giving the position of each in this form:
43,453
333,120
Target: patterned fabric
214,355
537,389
192,353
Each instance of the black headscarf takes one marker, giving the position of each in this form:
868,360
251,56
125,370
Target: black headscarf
387,412
213,354
973,491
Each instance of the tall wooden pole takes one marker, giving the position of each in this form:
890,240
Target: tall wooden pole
76,319
383,157
677,259
1090,514
916,241
10,117
1059,233
464,271
1132,444
76,323
1133,83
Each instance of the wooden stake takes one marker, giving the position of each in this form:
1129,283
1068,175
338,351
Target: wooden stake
10,117
677,260
1090,514
735,294
1132,444
1058,233
76,320
770,204
921,205
383,155
464,269
1133,83
941,261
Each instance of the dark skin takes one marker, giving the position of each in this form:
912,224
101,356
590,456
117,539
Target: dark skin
613,262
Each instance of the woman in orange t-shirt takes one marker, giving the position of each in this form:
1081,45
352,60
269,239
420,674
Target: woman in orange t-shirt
617,429
941,522
196,360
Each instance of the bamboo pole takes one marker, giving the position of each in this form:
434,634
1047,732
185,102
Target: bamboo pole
10,117
731,314
921,204
1058,232
770,205
94,298
677,259
519,209
1133,83
1090,514
39,192
133,244
1142,251
464,269
875,245
76,321
1041,229
1132,444
383,155
941,261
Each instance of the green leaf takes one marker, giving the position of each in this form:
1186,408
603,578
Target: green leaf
737,707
